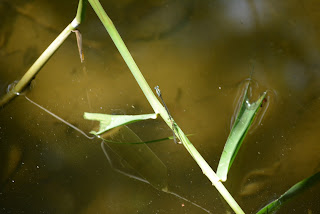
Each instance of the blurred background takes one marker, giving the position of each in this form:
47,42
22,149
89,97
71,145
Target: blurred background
200,53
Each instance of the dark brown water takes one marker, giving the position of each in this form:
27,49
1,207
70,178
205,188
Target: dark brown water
199,53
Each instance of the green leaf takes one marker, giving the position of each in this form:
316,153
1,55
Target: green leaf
292,192
238,132
137,161
108,121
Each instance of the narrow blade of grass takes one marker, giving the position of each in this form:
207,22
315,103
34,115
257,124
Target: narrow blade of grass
108,121
292,192
138,142
238,132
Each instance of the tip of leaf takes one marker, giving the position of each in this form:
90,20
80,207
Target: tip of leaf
93,132
223,178
85,115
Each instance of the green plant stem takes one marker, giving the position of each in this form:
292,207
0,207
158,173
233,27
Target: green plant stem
158,108
36,67
45,56
81,11
106,21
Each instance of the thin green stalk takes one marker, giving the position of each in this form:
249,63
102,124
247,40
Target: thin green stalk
81,11
45,56
158,108
106,21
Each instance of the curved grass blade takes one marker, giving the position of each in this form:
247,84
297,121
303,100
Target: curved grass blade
292,192
108,121
238,132
136,161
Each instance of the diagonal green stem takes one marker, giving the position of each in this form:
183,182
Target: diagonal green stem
106,21
45,56
156,105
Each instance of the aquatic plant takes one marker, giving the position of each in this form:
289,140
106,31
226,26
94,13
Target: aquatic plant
241,125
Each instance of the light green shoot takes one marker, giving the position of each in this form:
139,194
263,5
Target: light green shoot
108,121
244,119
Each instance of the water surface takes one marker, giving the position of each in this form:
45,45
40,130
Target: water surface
200,53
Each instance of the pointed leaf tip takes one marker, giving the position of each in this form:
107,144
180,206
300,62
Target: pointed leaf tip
108,121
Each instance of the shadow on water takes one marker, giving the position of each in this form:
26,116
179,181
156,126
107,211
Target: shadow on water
199,52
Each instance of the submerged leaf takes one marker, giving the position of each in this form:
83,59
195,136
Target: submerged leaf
238,132
136,161
292,192
108,121
256,181
140,142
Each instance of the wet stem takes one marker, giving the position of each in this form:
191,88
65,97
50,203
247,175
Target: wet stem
158,108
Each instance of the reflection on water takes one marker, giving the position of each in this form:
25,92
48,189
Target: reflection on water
200,52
